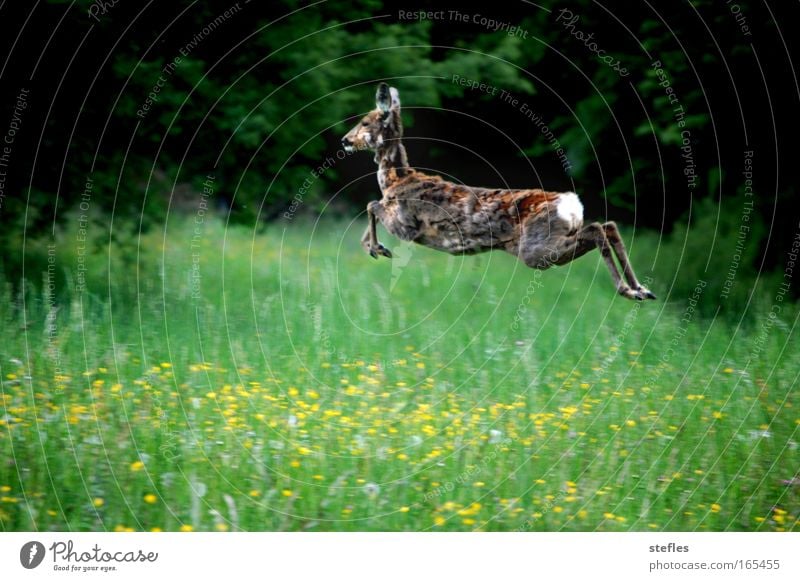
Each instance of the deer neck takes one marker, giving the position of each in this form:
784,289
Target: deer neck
392,163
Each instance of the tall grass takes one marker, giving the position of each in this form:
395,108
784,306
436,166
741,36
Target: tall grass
221,379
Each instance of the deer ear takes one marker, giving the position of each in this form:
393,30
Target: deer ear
395,97
383,98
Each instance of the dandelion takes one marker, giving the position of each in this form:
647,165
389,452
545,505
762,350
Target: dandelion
479,484
254,493
404,509
715,507
439,520
186,528
287,493
155,530
137,466
150,498
98,502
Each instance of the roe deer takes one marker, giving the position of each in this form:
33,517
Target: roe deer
542,229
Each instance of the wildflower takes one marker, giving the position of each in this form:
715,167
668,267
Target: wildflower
287,493
136,466
715,507
439,520
371,489
98,502
186,528
404,509
150,498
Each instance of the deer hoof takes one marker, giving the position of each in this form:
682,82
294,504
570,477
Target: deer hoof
646,293
383,251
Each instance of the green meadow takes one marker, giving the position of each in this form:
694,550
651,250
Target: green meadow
205,377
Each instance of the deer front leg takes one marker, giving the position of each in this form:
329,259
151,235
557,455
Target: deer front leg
370,238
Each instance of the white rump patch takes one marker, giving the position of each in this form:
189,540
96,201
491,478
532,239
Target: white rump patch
570,210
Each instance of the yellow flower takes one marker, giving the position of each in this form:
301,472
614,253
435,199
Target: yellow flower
479,484
155,530
402,456
166,365
255,493
211,395
727,370
221,527
287,493
136,466
98,502
186,528
5,489
150,498
715,507
630,423
609,515
717,415
404,509
468,521
438,520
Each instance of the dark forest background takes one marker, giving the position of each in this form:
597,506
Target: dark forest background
264,97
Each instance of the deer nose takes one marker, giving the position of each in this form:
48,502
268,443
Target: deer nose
346,141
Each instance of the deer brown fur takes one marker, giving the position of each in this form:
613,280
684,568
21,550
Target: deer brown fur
542,229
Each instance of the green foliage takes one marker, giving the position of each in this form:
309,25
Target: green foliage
224,370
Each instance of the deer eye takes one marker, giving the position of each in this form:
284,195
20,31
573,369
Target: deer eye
364,123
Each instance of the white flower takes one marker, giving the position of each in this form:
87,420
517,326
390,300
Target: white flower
371,489
495,436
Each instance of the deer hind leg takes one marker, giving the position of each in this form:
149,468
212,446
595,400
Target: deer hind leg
560,250
612,234
370,238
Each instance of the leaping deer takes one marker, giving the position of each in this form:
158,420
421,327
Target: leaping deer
542,229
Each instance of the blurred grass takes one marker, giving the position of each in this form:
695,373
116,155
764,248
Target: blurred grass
299,385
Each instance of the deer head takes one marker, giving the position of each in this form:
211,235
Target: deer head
380,127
